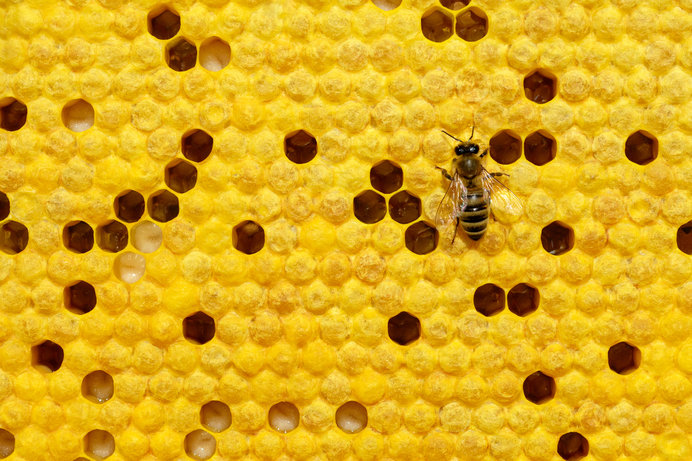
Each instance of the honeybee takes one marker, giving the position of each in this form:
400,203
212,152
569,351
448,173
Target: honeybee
471,191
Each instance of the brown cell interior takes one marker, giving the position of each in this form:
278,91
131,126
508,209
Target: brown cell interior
284,417
181,55
200,445
557,238
300,146
98,386
163,23
539,148
14,237
248,237
351,417
6,443
369,207
80,298
386,5
99,444
78,115
47,356
199,328
386,177
489,299
112,236
437,25
78,236
472,24
522,299
129,206
540,86
572,446
539,387
163,206
404,207
197,145
215,416
12,114
4,206
454,4
180,176
684,238
214,54
403,328
641,147
505,147
421,238
624,358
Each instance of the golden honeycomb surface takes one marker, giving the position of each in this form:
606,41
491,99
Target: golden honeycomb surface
219,241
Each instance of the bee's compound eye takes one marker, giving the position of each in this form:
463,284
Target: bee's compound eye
473,149
459,150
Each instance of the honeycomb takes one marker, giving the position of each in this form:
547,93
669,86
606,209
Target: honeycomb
218,239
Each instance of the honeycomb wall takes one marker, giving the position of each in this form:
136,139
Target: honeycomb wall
218,230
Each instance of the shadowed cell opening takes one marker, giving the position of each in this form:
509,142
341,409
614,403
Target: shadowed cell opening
47,356
641,147
386,177
215,416
386,5
181,54
199,328
557,238
404,207
112,236
12,114
454,4
248,237
505,147
180,176
214,54
284,417
129,206
539,387
351,417
78,115
540,86
80,297
523,299
684,238
163,22
163,206
421,238
369,207
623,358
300,146
200,445
472,24
403,328
78,236
540,147
6,443
99,444
572,446
14,237
489,299
196,145
437,25
4,206
98,386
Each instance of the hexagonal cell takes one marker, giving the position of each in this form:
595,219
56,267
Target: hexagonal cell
369,207
386,177
200,445
540,147
557,238
14,237
623,358
404,207
80,297
78,115
129,267
684,238
489,299
437,25
300,146
572,446
248,237
147,237
47,356
12,114
386,5
181,54
351,417
454,4
163,22
197,145
523,299
180,176
98,386
284,417
112,236
6,443
99,444
129,206
163,206
421,238
199,328
539,387
472,24
540,86
641,147
505,147
78,236
4,206
215,416
214,54
403,328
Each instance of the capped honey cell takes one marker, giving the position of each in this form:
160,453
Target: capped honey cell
163,22
540,86
403,328
12,114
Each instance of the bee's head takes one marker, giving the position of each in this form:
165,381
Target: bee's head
466,148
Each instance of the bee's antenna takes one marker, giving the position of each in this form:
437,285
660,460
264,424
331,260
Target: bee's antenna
451,136
473,128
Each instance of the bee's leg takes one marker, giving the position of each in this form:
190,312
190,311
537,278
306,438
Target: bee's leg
444,173
499,174
484,153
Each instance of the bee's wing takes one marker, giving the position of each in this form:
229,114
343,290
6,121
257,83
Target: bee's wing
453,203
502,200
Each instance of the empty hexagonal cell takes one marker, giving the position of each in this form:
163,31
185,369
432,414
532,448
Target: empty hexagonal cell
489,299
300,146
181,54
197,145
163,22
472,24
641,147
623,358
98,386
684,238
437,25
180,176
540,147
539,387
47,356
386,5
199,328
14,237
572,446
248,237
454,4
80,297
557,238
78,236
404,207
78,115
129,206
147,237
200,445
351,417
214,54
6,443
129,267
284,417
522,299
215,416
505,147
540,86
99,444
163,206
4,206
403,328
369,207
386,177
421,238
112,236
12,114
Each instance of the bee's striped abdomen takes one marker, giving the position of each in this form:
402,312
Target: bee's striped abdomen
474,218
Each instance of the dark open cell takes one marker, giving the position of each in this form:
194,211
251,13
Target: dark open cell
199,328
12,114
78,115
14,237
47,356
505,147
369,207
163,23
163,206
78,236
6,443
540,86
98,386
421,238
386,177
180,176
403,328
181,54
572,446
4,206
489,299
540,147
129,206
196,145
214,54
284,417
248,237
522,299
404,207
99,444
454,4
684,238
641,147
472,24
215,416
112,236
624,358
80,297
200,445
300,146
539,387
351,417
437,25
557,238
